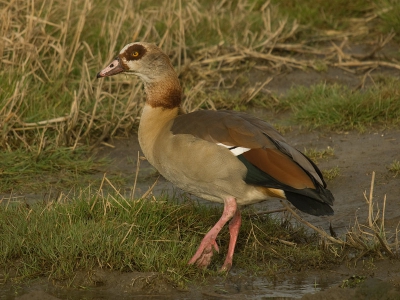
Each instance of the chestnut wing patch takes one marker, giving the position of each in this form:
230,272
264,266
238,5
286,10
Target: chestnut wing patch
315,201
270,161
280,167
256,140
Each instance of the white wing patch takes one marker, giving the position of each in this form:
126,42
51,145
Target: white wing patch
235,150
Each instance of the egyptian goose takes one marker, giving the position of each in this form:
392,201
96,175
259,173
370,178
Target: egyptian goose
222,156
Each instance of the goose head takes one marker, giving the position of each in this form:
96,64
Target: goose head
141,59
154,67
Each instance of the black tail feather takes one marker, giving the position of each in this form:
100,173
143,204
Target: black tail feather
316,202
309,205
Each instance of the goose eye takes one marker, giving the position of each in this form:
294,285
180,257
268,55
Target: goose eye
135,54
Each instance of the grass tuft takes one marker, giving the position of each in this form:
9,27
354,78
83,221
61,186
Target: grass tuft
373,236
25,171
338,107
389,12
331,174
98,230
316,155
395,167
363,239
334,15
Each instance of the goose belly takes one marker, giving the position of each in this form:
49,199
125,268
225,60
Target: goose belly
204,169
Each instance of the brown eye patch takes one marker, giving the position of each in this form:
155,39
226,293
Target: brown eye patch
134,52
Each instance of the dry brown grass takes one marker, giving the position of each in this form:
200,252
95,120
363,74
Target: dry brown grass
374,237
368,238
49,66
50,52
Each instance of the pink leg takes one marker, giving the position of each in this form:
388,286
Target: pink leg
204,253
234,226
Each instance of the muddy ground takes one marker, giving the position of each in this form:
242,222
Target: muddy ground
380,281
356,155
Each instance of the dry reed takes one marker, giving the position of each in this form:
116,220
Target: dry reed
372,238
50,52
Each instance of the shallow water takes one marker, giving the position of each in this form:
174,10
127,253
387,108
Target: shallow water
310,285
235,286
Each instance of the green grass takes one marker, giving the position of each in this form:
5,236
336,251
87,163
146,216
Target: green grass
395,167
24,171
316,154
50,56
51,74
337,107
389,13
57,239
55,66
321,14
318,16
330,174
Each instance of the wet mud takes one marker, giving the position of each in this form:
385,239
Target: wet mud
363,281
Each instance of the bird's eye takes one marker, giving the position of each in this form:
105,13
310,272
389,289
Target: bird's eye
135,54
